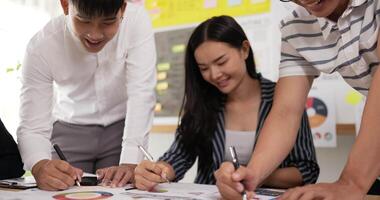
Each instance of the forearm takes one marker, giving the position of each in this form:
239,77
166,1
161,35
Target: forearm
363,164
284,178
264,162
280,129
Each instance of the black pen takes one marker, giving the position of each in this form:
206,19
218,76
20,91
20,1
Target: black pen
62,157
236,163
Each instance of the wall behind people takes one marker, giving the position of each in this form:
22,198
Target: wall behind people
262,30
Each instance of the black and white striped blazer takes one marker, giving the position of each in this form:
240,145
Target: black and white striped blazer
302,155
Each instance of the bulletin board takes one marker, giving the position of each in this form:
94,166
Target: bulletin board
174,21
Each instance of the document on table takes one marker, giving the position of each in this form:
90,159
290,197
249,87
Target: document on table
19,183
178,191
175,191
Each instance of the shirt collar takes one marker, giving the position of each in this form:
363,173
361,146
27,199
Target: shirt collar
356,3
327,25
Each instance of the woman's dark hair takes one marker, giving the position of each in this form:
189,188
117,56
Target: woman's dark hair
202,101
97,8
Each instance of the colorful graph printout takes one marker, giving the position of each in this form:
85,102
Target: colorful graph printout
320,111
180,12
88,195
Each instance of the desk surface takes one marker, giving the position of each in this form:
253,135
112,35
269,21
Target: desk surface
369,197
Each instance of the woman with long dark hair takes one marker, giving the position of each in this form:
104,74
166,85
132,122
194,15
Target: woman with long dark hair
225,104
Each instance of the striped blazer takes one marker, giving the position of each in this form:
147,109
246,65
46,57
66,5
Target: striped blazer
302,155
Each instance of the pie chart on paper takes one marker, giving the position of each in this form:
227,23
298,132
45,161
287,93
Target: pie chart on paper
316,111
88,195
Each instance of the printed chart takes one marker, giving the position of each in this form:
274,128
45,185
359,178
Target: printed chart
317,111
87,195
320,108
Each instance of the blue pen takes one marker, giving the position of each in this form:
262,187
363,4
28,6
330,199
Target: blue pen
236,163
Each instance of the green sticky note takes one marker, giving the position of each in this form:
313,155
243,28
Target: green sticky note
27,174
163,67
179,48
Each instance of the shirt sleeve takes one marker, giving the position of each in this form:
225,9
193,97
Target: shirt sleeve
303,155
11,165
178,158
292,63
140,85
36,100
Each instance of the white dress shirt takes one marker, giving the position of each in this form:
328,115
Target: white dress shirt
62,81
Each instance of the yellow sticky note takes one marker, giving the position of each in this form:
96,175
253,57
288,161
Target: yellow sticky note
162,76
162,86
353,97
158,107
163,67
179,48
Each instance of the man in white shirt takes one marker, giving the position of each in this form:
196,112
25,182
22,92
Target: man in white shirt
85,74
320,36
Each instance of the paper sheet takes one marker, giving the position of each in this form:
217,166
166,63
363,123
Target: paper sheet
175,191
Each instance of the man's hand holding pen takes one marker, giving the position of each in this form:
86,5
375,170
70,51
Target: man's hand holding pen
55,174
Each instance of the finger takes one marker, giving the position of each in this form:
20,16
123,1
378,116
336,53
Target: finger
127,176
238,186
158,169
239,174
100,173
227,167
250,195
79,174
228,192
109,173
143,184
146,164
165,171
310,195
55,173
119,174
286,195
296,194
152,176
53,183
66,168
145,170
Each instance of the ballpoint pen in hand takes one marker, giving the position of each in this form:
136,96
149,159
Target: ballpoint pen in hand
236,163
62,157
150,158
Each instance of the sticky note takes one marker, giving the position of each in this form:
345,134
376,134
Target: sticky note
162,76
158,107
234,2
353,97
162,86
210,3
257,1
179,48
163,66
